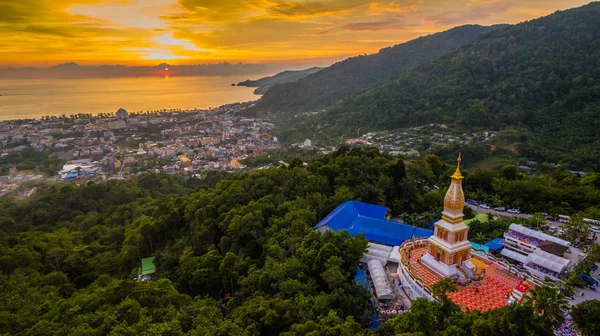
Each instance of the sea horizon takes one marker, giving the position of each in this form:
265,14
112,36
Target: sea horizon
36,98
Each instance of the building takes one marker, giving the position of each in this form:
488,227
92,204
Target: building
384,236
117,124
449,248
147,269
483,281
541,254
170,132
122,115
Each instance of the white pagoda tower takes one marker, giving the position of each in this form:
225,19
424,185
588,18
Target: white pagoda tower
449,247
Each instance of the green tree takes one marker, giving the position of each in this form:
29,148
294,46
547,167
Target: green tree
510,172
576,228
585,316
548,303
480,238
442,287
537,220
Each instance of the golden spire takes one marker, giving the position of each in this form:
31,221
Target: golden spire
457,175
455,197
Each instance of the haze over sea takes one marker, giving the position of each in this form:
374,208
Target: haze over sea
34,98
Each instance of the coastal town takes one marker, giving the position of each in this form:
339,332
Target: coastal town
121,145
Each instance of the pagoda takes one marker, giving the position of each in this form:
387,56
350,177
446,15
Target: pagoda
449,247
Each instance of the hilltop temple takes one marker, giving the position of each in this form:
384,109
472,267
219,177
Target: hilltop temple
483,281
417,258
449,248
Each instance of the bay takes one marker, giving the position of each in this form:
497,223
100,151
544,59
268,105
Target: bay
34,98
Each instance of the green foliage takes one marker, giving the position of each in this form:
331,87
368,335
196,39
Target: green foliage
64,254
549,303
576,228
585,316
541,76
445,318
481,233
274,156
30,159
352,75
557,193
234,256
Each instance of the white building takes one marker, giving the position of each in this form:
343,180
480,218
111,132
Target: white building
122,115
116,124
540,253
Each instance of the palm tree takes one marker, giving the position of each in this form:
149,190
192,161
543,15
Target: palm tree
537,219
496,200
479,238
548,303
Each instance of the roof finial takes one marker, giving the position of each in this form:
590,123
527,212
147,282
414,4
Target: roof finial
457,174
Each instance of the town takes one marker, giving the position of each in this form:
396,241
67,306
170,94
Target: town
121,145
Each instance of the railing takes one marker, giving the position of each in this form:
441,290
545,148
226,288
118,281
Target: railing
500,262
525,274
406,265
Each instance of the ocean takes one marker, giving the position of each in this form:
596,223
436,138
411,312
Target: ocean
34,98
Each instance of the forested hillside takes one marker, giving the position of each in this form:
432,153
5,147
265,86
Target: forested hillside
542,75
235,255
266,83
327,86
69,254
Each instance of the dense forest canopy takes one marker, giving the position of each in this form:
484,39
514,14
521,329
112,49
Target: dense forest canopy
327,86
235,254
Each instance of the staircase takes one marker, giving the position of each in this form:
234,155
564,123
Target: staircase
464,269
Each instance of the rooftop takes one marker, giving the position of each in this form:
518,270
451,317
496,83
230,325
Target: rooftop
148,266
369,219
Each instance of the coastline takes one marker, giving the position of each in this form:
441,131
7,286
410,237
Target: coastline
34,99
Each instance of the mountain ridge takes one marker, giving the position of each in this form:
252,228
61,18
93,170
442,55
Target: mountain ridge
543,74
355,74
265,83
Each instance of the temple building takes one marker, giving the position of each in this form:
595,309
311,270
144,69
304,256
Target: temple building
483,281
404,262
449,248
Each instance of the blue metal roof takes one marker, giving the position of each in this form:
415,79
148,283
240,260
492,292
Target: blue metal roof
495,244
360,278
368,219
480,247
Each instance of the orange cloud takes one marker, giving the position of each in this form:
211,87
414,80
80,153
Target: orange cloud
187,31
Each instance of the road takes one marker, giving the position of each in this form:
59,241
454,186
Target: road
505,214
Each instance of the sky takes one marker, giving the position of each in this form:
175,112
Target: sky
303,32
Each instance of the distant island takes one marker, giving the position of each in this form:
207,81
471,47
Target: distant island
289,76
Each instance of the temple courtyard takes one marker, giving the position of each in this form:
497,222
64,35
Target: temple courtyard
491,291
